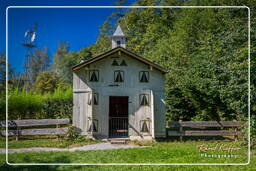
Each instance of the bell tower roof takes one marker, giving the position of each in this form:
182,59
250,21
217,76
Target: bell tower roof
118,32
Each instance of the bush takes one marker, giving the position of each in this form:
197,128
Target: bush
24,105
29,105
73,133
58,105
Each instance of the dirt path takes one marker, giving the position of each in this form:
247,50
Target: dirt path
99,146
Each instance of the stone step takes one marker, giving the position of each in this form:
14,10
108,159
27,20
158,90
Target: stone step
119,140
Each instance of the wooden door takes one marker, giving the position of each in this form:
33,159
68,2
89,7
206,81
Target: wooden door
118,116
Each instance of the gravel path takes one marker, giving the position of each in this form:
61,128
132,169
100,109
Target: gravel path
99,146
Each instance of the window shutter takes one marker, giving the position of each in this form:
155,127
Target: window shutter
144,99
114,63
144,127
93,127
144,76
123,63
119,76
95,98
94,76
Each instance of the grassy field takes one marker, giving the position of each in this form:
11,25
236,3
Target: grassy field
49,141
156,152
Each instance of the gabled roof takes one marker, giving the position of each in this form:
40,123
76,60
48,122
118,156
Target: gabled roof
118,32
117,49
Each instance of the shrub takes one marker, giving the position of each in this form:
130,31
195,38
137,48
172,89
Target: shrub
59,104
29,105
244,133
23,105
73,133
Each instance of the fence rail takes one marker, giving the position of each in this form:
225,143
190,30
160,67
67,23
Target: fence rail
18,127
205,124
34,122
186,128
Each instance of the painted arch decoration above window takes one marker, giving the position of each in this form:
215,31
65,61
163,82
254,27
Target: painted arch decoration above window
144,99
144,76
94,75
119,76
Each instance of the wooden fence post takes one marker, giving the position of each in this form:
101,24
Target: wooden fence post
236,134
180,129
57,126
17,135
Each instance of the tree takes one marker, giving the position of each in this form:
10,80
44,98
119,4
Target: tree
3,63
40,62
69,60
46,82
62,50
103,42
205,51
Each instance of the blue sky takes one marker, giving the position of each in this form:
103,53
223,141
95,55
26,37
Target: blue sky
77,26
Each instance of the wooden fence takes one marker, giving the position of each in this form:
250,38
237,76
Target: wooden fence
222,128
20,127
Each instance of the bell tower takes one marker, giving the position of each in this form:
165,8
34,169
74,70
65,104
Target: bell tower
118,38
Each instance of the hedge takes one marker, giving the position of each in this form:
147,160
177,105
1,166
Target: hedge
29,105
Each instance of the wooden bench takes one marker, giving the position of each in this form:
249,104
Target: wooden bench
18,127
203,125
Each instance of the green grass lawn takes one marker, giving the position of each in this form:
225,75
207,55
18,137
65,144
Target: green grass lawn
48,141
156,152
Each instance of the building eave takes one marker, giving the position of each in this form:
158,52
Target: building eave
105,54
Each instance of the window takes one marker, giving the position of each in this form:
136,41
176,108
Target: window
123,63
94,75
144,76
144,99
144,126
118,43
95,98
114,63
93,126
119,76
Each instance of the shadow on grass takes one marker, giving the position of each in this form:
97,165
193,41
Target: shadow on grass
40,168
30,160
